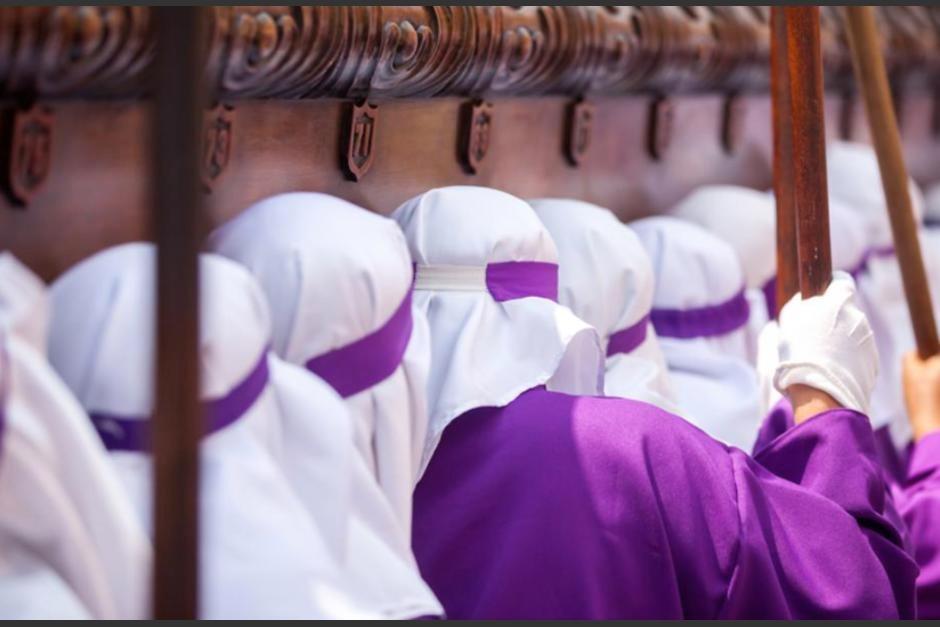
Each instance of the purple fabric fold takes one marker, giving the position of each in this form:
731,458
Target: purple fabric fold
770,296
641,515
880,252
919,502
522,279
770,287
626,340
709,321
127,433
369,360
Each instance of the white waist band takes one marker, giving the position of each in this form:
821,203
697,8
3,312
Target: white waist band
451,278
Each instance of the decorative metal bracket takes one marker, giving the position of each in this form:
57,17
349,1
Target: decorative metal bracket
359,140
732,123
27,152
476,129
660,127
579,125
218,126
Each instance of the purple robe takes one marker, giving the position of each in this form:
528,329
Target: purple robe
558,506
919,502
891,459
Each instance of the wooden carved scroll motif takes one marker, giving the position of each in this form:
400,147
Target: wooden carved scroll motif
382,52
27,147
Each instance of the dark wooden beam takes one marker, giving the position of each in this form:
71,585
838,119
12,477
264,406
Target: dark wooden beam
788,277
176,198
873,83
809,148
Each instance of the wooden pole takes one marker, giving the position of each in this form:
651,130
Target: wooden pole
809,148
788,278
176,198
873,82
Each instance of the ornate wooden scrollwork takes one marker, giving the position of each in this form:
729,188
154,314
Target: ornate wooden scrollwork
381,52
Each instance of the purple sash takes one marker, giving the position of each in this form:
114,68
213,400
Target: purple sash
881,251
703,321
522,279
626,340
770,287
125,433
369,360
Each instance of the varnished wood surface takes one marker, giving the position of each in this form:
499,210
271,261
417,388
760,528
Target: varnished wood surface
808,131
96,191
788,277
177,218
382,52
873,82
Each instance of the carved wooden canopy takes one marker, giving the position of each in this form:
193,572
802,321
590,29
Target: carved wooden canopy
382,52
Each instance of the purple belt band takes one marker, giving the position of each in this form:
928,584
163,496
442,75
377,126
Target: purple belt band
510,280
125,433
704,321
770,287
370,360
770,296
626,340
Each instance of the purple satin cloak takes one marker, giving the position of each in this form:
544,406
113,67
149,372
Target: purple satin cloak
892,460
573,507
919,502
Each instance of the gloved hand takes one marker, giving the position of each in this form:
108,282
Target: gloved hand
826,343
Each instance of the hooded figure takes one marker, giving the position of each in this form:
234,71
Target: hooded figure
746,219
260,554
338,280
605,277
930,242
30,586
701,316
541,502
854,178
70,543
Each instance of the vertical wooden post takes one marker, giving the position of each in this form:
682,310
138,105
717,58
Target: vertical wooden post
809,148
873,83
176,197
788,278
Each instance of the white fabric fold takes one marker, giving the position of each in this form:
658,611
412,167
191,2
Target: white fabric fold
485,352
746,219
930,243
855,179
65,522
715,384
606,278
261,555
451,278
334,274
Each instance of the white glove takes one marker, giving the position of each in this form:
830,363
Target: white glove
826,343
768,357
